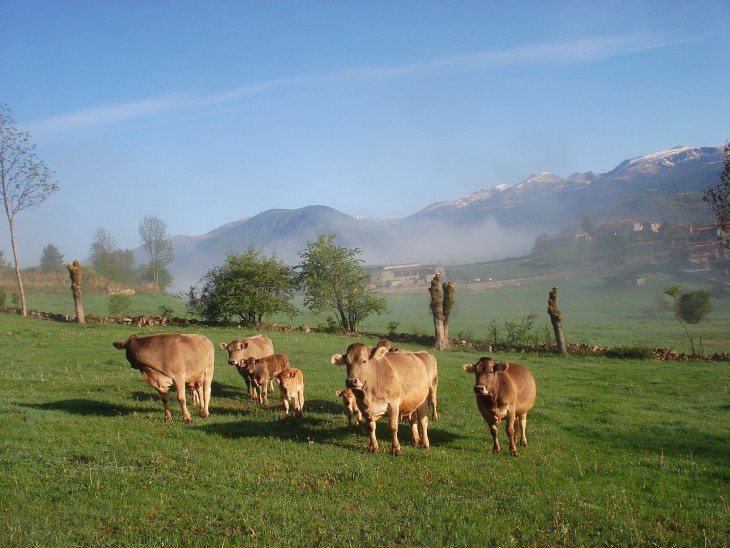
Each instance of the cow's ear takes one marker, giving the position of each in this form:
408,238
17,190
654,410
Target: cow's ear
244,345
336,359
469,368
224,346
379,352
339,393
119,344
502,366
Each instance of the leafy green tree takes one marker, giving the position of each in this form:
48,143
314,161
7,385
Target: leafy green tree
25,182
155,241
119,304
145,276
116,265
248,286
689,308
718,196
51,259
335,281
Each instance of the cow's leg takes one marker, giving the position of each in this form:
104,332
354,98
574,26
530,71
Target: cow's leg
432,399
415,434
166,403
522,421
265,396
393,424
423,425
510,427
299,408
371,429
250,391
286,405
494,430
180,389
205,391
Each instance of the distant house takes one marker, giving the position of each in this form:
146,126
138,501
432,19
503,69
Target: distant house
617,228
404,275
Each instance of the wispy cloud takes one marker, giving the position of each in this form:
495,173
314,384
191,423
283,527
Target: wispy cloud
557,53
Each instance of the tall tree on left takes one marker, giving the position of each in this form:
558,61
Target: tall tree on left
25,181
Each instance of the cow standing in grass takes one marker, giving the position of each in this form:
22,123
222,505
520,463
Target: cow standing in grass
504,391
173,359
395,384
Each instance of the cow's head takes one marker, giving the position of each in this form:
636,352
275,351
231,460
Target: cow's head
236,351
485,371
348,398
285,380
357,360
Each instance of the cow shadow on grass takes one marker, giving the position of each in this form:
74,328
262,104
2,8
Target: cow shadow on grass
84,407
323,422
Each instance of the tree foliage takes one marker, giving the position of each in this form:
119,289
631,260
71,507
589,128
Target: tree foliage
25,181
335,281
689,308
248,286
51,259
155,241
116,265
718,196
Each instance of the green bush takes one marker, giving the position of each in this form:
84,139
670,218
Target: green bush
119,304
630,353
3,296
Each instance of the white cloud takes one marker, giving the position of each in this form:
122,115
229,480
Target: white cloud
570,52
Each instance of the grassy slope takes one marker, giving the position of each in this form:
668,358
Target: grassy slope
620,453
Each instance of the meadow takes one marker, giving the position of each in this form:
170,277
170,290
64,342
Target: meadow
621,452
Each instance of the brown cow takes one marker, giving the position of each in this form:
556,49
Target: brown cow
291,387
256,346
431,368
173,359
504,390
388,383
351,409
262,371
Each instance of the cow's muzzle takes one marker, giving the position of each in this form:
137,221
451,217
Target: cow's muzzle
351,382
480,390
232,362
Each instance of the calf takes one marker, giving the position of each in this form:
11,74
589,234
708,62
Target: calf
291,387
503,391
262,371
349,402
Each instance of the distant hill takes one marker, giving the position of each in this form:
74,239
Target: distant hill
487,224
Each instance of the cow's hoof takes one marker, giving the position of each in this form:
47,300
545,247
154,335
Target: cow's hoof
188,420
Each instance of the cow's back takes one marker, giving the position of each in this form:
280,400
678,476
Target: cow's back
173,354
260,346
522,384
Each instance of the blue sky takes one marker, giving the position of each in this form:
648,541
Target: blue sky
202,113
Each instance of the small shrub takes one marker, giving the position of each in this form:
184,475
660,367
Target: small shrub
393,327
3,296
331,326
15,299
465,335
165,311
119,304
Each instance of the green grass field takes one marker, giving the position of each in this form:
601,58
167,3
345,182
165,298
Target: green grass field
620,453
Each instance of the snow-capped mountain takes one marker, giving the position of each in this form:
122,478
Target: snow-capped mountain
489,223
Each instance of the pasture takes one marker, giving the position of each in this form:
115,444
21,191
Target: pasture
620,453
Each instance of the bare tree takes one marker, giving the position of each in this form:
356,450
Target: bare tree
25,181
155,241
556,318
74,272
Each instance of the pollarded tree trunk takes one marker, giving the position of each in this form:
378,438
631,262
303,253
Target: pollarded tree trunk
74,272
556,320
441,304
448,288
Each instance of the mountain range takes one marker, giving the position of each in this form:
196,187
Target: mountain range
488,224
